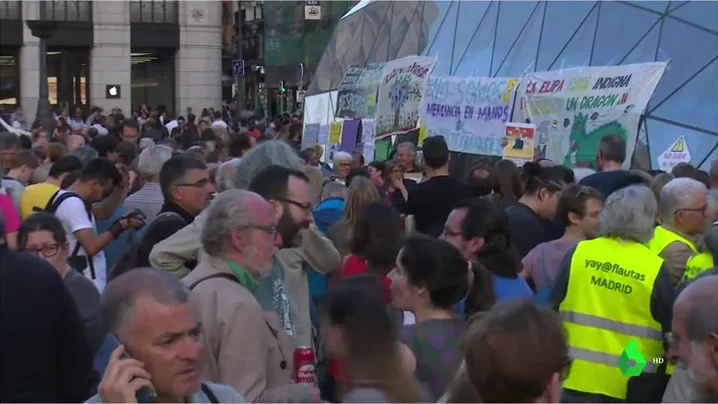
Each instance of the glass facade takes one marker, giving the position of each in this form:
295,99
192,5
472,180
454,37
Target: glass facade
68,77
64,10
289,39
153,78
510,38
153,11
9,78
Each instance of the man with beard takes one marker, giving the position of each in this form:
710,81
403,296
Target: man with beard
312,251
695,336
289,194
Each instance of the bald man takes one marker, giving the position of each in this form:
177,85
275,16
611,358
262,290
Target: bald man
695,335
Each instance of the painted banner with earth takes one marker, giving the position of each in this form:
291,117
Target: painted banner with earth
400,90
573,108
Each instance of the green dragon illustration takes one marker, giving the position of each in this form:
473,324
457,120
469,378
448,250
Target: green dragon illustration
582,152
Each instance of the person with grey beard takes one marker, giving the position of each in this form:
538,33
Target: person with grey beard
695,337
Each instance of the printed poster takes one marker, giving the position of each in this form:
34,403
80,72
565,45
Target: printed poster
400,91
518,144
469,112
323,135
350,131
572,109
310,136
675,154
367,140
357,92
335,132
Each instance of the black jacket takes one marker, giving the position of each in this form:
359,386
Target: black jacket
45,355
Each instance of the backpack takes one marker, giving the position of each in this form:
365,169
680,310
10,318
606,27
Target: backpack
130,259
77,261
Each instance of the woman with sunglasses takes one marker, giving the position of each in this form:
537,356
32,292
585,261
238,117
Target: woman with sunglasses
42,235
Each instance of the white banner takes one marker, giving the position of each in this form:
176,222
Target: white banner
572,109
400,90
469,112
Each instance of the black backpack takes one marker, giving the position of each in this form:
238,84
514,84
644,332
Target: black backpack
79,262
130,259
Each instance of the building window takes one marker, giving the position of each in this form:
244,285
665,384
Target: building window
67,77
153,11
10,10
64,10
9,78
153,78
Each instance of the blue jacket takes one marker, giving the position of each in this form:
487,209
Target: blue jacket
328,212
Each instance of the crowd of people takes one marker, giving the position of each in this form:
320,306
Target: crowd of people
196,258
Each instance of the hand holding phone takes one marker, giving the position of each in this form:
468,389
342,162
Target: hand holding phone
124,379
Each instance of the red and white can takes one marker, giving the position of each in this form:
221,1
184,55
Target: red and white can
304,366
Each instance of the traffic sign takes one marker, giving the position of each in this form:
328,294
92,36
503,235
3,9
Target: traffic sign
238,68
675,154
113,91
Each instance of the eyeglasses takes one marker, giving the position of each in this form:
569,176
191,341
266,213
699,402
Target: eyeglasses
307,207
697,210
271,230
199,184
47,251
450,233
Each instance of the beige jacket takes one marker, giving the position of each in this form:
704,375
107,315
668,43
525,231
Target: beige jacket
315,251
246,346
676,255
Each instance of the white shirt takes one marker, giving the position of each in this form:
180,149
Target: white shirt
171,125
73,215
219,123
100,129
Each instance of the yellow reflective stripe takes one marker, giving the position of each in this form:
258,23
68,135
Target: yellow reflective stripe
612,325
604,358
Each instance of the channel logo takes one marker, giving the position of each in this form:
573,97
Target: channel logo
631,362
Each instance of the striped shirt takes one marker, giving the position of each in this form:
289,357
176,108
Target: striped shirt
148,200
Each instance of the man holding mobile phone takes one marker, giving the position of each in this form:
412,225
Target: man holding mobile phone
78,210
154,351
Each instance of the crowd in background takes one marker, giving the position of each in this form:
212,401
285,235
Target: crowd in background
211,250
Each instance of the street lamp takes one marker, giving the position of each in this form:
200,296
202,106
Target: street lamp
43,29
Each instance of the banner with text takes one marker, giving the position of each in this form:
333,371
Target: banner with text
400,91
357,92
572,109
469,112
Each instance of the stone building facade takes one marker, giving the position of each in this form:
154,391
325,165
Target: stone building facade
156,52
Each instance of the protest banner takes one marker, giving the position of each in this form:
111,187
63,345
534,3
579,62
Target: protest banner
572,109
518,145
400,90
469,112
357,92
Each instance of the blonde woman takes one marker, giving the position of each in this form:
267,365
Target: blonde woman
362,192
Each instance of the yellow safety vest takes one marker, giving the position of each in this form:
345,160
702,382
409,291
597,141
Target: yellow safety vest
698,263
608,305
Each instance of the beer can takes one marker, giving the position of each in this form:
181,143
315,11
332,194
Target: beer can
304,365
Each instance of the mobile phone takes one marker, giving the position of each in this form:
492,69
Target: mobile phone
102,360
